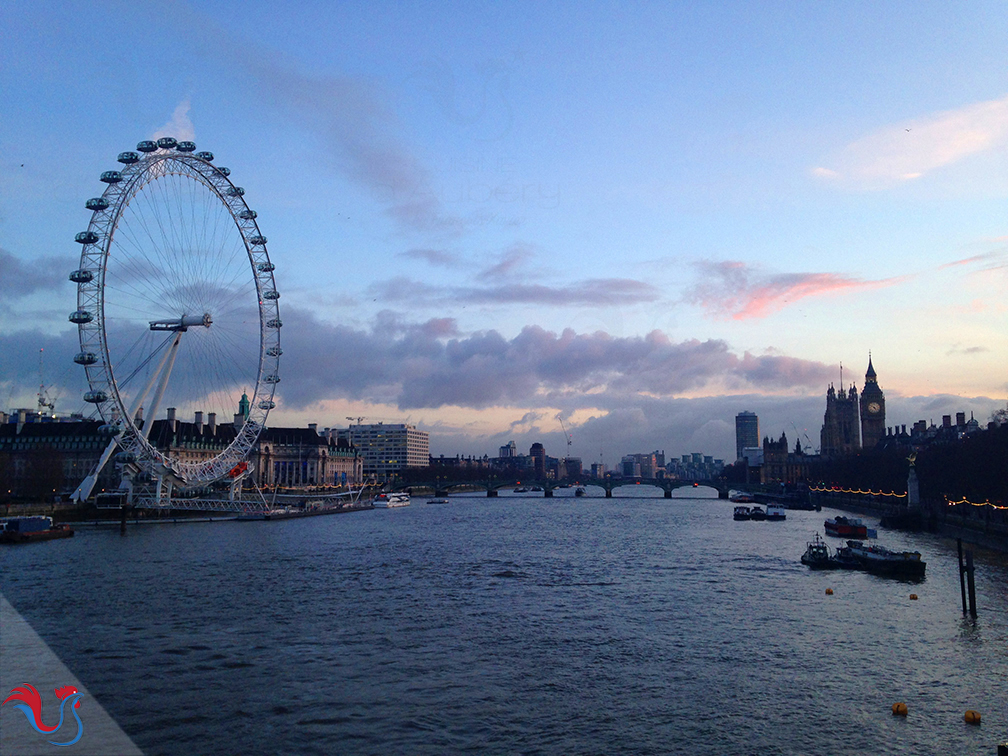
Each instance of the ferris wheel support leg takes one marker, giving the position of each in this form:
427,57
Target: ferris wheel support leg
87,485
166,372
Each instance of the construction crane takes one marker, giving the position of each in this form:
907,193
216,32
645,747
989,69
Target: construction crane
806,448
358,419
566,434
44,402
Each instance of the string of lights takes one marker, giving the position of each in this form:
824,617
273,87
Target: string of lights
973,503
858,491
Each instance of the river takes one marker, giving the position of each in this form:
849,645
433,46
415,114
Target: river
632,625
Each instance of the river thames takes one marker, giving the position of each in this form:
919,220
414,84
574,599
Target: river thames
633,625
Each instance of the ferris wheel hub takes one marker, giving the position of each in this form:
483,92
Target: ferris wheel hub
182,324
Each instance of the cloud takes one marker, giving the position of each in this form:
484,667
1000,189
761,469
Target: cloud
424,366
22,278
596,292
514,257
433,256
360,133
737,291
180,126
993,260
906,151
966,350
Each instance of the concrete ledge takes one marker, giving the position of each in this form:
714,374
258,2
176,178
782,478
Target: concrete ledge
25,658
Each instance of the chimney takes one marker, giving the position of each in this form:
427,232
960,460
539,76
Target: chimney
199,423
212,423
960,419
171,419
313,427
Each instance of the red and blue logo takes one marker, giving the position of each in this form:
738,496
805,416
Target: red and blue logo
31,705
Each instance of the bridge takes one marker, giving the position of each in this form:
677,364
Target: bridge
444,485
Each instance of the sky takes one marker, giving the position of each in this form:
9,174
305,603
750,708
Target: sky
644,218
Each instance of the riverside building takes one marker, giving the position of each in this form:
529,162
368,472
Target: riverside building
390,447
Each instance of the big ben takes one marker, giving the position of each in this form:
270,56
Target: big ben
872,410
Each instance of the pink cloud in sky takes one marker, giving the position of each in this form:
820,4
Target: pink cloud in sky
735,291
905,151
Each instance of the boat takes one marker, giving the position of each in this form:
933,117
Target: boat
380,500
817,555
400,499
846,527
537,488
30,529
881,561
776,512
741,497
741,513
437,501
757,513
579,491
521,489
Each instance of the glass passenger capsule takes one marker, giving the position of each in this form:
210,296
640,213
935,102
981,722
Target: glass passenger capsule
274,351
274,323
208,156
97,203
271,295
85,358
81,316
222,170
111,177
146,146
82,276
257,240
128,158
266,267
167,143
125,457
186,146
86,237
109,429
235,191
96,397
267,404
272,378
247,215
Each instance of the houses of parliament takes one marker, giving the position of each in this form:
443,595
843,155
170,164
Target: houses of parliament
852,422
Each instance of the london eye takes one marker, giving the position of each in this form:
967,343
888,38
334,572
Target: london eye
177,309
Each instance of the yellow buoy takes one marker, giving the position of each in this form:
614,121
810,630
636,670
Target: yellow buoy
913,596
972,717
899,709
829,591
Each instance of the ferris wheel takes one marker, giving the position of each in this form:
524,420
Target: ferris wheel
177,307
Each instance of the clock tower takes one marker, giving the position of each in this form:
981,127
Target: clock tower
872,410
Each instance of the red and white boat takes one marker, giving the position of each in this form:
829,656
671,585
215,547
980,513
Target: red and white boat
846,527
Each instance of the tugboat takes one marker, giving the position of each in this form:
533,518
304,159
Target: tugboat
28,529
741,513
757,513
846,527
579,491
817,555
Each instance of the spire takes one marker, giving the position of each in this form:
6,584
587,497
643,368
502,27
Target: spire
870,375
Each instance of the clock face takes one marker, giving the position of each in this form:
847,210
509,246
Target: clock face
874,408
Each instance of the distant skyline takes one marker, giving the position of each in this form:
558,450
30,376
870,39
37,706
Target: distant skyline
647,218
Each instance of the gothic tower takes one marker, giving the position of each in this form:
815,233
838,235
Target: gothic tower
840,433
872,409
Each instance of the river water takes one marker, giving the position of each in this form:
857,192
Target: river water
632,625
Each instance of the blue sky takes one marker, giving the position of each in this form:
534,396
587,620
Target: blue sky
647,218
